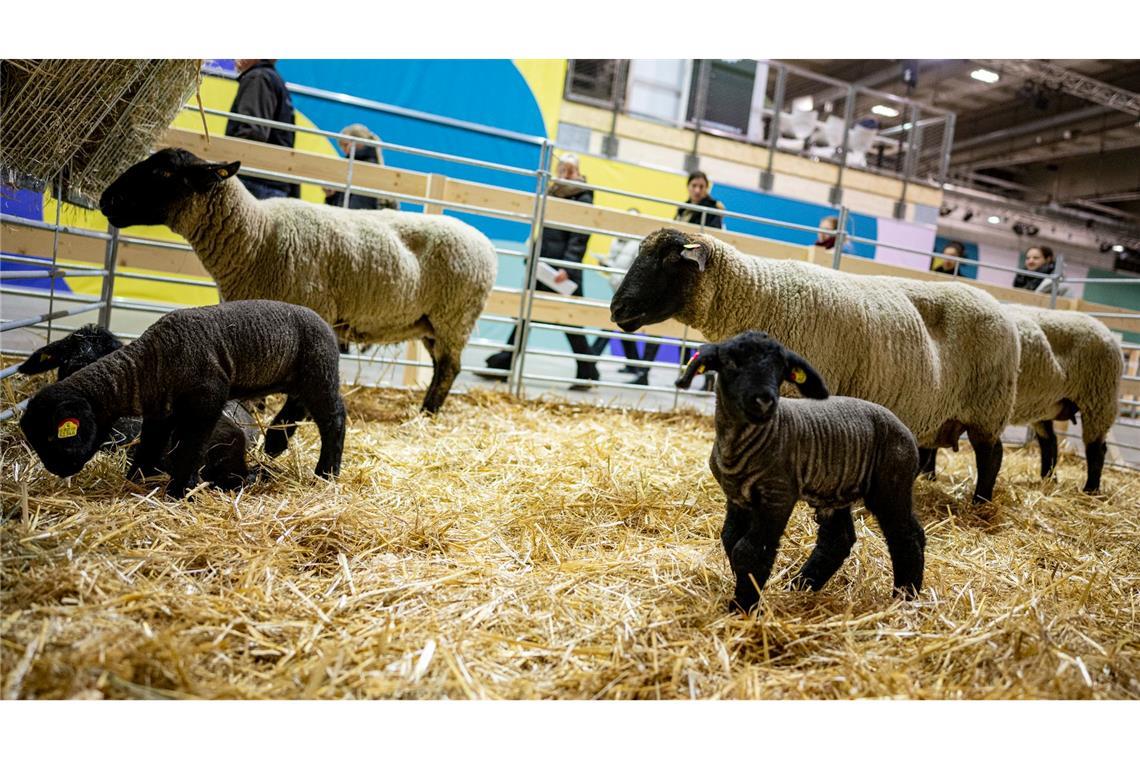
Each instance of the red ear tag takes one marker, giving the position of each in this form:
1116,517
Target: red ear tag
696,355
798,375
69,428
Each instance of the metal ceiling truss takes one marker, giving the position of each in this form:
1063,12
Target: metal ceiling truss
1065,80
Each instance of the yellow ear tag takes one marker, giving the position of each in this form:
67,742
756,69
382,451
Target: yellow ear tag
69,428
798,375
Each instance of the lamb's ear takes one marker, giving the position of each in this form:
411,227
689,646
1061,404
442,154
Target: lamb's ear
696,252
42,360
803,376
203,176
704,360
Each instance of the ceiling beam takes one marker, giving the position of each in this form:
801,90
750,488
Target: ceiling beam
1066,80
1029,128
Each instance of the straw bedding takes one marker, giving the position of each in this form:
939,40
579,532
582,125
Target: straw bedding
513,549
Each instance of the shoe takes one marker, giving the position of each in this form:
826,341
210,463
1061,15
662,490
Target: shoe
500,361
641,379
585,373
630,370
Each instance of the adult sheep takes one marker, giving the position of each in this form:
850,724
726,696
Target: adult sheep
1070,363
375,276
941,356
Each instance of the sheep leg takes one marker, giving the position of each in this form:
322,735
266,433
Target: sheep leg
988,455
328,413
194,421
754,554
927,459
892,504
446,364
154,440
836,537
737,519
283,426
1047,441
1094,459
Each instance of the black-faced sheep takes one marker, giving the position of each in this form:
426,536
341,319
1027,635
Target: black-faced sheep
375,276
769,454
1070,363
178,376
236,431
941,356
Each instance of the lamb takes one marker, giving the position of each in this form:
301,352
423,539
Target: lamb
769,454
376,276
179,374
917,348
236,431
1070,362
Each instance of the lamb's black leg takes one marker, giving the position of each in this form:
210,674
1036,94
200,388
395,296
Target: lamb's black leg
1094,460
154,441
755,552
836,537
988,455
329,415
1047,441
194,420
927,459
446,370
737,520
892,504
283,426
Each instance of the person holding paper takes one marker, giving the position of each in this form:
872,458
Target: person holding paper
564,246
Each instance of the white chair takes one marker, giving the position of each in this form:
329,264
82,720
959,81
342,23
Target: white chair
801,124
832,133
859,141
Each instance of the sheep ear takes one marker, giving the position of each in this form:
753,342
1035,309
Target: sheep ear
704,360
696,252
804,377
40,361
205,175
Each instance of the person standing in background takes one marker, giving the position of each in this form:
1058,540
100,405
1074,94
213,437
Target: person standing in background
622,253
945,266
698,187
1038,259
261,93
368,154
827,241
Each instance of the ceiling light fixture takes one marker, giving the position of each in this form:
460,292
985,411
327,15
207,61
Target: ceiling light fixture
887,111
1118,248
985,75
994,219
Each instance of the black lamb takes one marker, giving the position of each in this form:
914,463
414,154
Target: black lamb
770,453
235,433
178,376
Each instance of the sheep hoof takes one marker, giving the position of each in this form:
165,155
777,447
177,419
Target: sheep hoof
275,442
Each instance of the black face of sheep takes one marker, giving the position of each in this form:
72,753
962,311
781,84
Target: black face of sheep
659,280
62,430
752,365
73,353
147,192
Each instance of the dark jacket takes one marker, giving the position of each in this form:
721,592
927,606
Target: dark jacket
1033,281
368,154
565,245
261,93
694,217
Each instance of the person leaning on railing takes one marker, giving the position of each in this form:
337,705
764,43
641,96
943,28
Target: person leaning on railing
567,246
1038,259
261,93
945,266
698,186
369,154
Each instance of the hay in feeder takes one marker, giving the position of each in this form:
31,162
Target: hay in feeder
86,119
511,549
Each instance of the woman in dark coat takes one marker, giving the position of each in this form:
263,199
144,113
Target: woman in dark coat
699,195
1038,259
368,154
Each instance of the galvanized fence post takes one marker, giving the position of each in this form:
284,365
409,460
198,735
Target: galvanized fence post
840,235
766,176
1058,278
348,177
111,264
848,116
526,305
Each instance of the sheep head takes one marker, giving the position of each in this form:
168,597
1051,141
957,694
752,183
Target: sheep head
62,428
149,191
71,354
660,280
751,367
